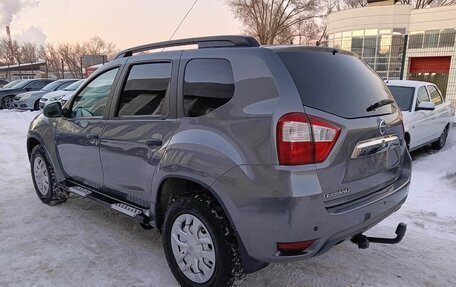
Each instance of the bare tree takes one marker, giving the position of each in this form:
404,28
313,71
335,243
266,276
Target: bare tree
417,4
97,46
51,56
273,21
29,53
71,55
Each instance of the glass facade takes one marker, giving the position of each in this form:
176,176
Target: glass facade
382,49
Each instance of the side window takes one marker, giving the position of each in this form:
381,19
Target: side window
37,85
208,84
422,96
145,90
64,85
436,97
91,101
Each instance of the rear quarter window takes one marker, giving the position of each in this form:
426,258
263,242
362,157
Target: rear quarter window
337,83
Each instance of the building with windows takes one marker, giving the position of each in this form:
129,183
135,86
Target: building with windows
400,42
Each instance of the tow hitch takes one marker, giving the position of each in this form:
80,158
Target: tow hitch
363,241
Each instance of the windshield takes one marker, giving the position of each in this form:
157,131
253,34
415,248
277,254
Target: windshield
74,86
12,84
52,86
403,96
337,83
22,84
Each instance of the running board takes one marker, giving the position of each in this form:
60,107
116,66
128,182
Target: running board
79,191
126,209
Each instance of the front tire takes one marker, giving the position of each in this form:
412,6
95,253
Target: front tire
8,102
199,243
441,141
44,179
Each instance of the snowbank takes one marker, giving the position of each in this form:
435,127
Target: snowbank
81,244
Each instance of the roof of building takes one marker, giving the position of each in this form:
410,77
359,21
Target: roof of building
407,83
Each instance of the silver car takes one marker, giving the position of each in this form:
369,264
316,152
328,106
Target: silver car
57,96
30,100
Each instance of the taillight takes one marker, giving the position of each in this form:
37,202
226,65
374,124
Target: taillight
303,139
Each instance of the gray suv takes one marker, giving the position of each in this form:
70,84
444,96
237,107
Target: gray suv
241,155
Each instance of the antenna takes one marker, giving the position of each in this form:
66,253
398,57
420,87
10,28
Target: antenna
183,19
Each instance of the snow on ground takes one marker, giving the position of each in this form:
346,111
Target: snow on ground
81,244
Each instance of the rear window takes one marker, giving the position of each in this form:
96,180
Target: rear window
337,83
403,96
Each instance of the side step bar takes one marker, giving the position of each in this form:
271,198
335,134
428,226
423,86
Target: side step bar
130,210
363,241
79,191
126,209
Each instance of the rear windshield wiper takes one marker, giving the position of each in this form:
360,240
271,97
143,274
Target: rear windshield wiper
379,104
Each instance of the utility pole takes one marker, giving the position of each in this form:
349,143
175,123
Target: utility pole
63,69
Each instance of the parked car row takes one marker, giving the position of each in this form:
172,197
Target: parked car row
27,94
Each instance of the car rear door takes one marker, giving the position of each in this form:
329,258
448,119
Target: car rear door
140,125
78,134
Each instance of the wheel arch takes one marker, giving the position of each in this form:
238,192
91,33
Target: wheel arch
165,194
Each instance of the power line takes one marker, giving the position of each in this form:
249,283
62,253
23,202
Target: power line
183,19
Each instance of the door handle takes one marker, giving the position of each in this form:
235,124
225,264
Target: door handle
153,142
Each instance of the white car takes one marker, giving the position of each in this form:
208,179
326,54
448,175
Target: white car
58,95
427,117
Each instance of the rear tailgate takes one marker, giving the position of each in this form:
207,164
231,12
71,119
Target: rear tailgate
338,87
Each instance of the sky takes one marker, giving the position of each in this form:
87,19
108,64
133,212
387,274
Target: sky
126,23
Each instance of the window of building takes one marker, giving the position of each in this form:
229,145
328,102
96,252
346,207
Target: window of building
208,84
431,39
447,37
416,40
145,90
91,101
436,97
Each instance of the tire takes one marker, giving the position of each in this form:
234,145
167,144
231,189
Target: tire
44,179
441,141
7,102
36,106
219,243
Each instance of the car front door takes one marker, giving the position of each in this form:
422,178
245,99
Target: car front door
138,129
77,136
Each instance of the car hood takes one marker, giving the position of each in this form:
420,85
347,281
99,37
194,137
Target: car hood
68,96
60,93
32,94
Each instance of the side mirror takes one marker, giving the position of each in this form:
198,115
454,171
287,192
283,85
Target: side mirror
425,106
28,89
53,110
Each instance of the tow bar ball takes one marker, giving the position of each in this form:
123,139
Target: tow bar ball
363,241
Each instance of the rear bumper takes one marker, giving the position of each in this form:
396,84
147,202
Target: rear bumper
263,215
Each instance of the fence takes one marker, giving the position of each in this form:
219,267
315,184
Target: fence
425,56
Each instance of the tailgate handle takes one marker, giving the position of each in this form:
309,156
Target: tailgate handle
373,146
153,142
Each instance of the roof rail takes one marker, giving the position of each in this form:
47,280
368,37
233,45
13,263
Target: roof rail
202,42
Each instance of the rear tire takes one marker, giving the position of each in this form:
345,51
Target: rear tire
441,141
44,179
200,246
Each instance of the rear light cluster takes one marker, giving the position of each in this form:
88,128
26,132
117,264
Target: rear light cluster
304,139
